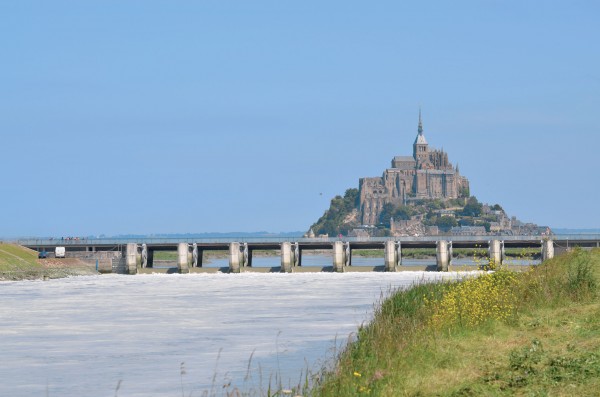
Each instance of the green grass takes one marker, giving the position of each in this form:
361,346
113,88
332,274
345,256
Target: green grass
424,253
547,344
522,252
17,258
165,255
211,254
414,253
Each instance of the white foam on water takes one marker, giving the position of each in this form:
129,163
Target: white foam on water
82,336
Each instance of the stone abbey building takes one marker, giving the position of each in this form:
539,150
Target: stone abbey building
426,175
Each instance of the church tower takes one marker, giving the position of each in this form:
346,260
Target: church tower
420,151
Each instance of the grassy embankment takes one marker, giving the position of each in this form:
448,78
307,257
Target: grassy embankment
535,333
14,258
20,263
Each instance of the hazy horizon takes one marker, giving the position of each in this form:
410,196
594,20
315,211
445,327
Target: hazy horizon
558,230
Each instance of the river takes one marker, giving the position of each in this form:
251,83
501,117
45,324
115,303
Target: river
162,334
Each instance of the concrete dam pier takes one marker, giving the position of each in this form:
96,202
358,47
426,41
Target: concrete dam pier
131,257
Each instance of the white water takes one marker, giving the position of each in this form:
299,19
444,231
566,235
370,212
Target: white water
81,336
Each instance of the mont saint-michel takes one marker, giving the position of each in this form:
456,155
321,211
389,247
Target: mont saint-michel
422,194
427,174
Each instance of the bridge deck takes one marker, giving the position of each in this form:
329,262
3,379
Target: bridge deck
260,243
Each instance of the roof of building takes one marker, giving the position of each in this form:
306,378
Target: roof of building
404,158
434,171
467,230
421,139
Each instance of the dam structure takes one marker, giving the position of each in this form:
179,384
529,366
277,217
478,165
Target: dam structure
133,256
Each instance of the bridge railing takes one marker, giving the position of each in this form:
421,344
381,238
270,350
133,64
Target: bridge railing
265,240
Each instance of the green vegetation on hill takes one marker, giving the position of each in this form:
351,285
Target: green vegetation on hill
535,333
402,212
343,214
472,208
17,258
338,218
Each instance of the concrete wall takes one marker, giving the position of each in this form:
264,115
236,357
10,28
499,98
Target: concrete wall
339,256
495,253
442,256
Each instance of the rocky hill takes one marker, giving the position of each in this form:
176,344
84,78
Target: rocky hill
422,217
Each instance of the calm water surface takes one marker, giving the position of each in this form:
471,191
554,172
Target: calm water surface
82,336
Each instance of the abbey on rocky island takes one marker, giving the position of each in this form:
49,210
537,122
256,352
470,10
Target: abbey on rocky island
426,175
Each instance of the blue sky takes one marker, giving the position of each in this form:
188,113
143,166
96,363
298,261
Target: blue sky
213,116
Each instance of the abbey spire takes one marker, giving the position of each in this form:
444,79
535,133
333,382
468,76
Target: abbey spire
420,146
